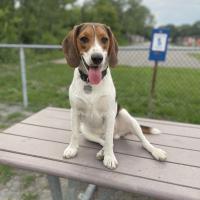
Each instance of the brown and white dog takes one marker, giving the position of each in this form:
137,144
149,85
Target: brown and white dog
91,49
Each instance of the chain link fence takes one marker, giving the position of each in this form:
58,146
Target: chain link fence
43,70
177,86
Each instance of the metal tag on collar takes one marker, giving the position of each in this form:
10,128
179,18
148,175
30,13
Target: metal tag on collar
87,89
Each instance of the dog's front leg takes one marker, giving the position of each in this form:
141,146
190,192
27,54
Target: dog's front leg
72,149
109,157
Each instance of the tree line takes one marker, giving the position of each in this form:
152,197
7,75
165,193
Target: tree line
176,32
47,22
42,21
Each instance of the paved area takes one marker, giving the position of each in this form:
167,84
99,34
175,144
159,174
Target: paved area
25,185
176,57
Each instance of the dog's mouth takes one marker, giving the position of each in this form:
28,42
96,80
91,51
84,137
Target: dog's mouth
94,73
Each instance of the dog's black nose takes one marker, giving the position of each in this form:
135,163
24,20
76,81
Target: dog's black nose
96,58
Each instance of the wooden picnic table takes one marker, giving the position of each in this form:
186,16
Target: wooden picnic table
37,143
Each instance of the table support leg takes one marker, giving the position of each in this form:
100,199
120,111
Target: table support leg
54,184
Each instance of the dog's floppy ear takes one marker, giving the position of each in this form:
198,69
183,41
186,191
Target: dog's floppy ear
69,46
113,48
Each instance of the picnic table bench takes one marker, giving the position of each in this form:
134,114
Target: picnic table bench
37,143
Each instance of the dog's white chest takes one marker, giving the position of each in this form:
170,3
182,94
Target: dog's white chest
92,108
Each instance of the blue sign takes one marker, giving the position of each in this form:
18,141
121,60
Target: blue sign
159,43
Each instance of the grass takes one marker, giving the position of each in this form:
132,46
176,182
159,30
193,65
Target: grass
177,89
14,116
177,92
28,181
9,119
196,55
5,174
29,196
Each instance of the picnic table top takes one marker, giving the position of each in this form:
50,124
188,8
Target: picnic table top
37,143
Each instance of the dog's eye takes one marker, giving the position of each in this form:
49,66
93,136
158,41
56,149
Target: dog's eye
104,40
84,39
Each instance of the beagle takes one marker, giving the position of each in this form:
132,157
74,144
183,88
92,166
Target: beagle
91,49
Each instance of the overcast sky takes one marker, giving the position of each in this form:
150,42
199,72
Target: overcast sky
174,11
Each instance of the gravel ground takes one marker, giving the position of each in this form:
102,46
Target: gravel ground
26,185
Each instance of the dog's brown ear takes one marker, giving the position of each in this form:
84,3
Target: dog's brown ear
113,48
69,46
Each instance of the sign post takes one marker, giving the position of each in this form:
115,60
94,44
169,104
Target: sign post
158,51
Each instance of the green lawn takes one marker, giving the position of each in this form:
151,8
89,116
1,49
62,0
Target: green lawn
5,174
196,55
177,90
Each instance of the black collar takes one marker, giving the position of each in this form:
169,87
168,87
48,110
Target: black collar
84,76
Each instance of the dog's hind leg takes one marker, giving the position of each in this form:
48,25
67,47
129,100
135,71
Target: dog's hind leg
126,121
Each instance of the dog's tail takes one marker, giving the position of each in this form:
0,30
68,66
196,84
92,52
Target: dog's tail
149,130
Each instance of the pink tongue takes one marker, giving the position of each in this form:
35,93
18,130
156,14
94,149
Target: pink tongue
94,76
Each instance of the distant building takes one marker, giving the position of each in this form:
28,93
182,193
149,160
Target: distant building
198,42
135,39
189,41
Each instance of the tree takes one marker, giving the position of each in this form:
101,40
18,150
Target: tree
42,21
196,29
8,22
125,17
136,17
101,11
39,21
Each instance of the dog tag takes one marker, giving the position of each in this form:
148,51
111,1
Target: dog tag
87,89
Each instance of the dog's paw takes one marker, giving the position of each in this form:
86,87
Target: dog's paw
70,152
159,154
110,161
100,154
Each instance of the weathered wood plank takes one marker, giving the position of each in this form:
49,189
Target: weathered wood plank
44,119
129,165
124,182
171,141
40,120
182,124
57,109
175,155
59,135
55,114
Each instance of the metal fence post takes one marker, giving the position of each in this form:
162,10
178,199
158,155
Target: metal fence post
23,76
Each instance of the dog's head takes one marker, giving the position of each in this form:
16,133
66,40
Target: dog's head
91,46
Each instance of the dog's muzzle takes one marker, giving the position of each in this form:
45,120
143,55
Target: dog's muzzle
94,73
97,59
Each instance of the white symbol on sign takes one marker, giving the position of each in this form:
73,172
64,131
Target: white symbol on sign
159,42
